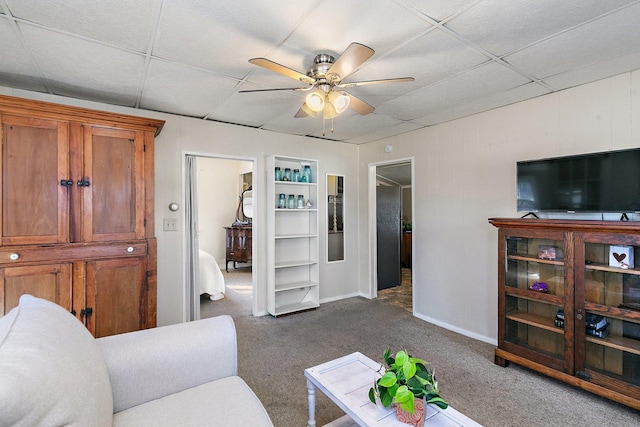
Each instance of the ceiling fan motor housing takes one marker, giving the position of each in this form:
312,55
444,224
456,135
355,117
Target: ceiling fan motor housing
321,64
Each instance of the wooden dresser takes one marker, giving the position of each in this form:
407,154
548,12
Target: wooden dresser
238,245
77,212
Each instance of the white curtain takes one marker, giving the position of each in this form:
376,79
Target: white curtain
191,226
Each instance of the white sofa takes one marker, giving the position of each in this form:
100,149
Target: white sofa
53,372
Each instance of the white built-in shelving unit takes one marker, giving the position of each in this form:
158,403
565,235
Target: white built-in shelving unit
293,276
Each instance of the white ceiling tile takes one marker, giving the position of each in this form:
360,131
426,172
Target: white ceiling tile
296,126
334,24
481,82
221,36
121,23
78,68
612,36
18,69
433,57
347,126
384,132
595,72
256,109
504,26
169,85
440,9
489,102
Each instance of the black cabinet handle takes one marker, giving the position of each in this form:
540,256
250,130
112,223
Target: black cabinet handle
84,183
66,183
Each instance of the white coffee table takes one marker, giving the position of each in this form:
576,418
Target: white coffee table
347,380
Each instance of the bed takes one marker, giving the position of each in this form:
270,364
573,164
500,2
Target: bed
211,278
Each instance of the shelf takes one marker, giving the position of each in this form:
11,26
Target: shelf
609,269
619,343
295,210
531,258
294,183
285,309
533,320
534,296
297,285
295,236
299,263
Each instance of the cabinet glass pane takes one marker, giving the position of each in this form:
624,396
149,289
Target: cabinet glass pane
535,264
612,287
530,323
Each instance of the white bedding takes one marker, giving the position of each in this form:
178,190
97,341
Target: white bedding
211,278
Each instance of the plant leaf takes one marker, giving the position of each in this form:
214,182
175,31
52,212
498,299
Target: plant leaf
401,358
388,379
372,395
409,369
440,402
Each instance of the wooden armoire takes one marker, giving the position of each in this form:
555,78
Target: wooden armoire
77,212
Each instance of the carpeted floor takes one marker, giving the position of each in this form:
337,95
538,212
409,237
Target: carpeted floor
273,353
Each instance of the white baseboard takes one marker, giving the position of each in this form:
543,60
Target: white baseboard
458,330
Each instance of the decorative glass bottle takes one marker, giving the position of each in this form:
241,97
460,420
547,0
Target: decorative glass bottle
287,174
282,202
291,203
278,174
307,173
296,175
300,201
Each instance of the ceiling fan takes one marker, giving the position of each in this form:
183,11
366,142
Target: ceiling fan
325,82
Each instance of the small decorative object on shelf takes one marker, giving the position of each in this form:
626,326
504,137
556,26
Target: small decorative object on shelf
287,174
539,287
296,175
282,201
306,172
291,204
406,381
300,203
547,252
621,256
277,174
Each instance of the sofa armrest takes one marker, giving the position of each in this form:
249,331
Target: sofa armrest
148,364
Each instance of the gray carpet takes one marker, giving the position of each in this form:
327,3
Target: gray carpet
273,353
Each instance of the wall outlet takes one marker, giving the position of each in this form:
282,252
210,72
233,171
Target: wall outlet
170,224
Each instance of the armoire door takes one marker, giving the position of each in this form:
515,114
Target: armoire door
113,185
388,223
117,296
35,181
52,282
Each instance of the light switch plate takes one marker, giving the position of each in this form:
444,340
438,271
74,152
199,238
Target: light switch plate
170,224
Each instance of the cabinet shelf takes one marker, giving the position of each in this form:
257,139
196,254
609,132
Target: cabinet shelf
534,320
530,258
304,184
534,296
619,343
609,269
296,210
295,236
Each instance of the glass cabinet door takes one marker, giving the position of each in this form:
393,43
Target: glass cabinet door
608,311
535,290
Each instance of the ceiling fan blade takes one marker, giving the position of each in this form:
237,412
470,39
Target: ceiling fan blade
281,69
359,106
298,89
375,82
351,58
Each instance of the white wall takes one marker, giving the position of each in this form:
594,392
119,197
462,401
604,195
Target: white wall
219,188
465,174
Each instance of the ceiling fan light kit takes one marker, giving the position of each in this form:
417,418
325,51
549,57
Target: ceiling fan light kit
325,78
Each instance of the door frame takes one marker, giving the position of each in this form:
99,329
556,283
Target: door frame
372,235
188,288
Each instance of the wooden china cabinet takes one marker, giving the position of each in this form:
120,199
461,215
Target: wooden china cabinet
77,211
569,302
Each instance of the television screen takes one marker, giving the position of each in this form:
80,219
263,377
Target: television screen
599,182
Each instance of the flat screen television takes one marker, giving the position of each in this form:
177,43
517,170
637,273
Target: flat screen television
598,182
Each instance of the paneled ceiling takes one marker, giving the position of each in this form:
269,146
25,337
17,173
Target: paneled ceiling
190,57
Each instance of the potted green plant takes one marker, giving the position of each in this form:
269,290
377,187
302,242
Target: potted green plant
406,379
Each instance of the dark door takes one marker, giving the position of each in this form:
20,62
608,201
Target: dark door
388,232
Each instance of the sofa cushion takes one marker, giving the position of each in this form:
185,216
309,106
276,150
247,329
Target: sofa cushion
225,402
51,369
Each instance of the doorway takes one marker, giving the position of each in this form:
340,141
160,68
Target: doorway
393,232
220,285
